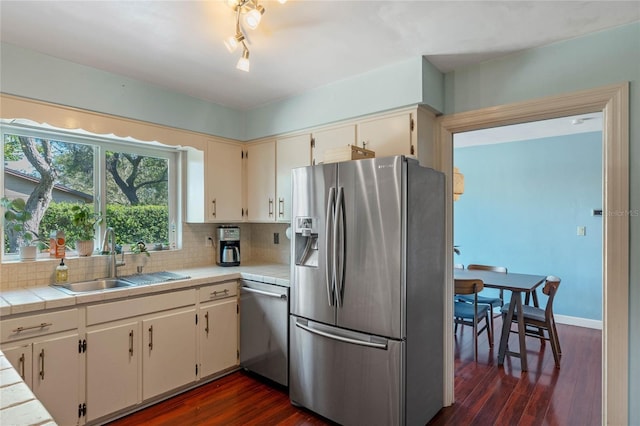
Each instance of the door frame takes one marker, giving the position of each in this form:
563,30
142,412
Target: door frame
613,102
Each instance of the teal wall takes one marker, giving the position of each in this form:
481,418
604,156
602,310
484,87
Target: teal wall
521,207
33,75
596,60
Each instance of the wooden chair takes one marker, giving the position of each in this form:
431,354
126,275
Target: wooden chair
538,320
472,313
493,302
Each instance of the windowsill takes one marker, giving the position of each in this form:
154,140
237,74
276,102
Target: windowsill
44,256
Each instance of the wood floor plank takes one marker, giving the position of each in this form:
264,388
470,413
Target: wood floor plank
486,394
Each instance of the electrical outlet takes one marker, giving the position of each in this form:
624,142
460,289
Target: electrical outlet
208,241
276,238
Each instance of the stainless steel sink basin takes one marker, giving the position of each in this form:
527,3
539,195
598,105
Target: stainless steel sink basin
115,283
94,285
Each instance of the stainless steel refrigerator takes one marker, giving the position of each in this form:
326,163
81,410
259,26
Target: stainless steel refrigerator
367,285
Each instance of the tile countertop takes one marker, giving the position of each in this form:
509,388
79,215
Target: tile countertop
31,299
18,405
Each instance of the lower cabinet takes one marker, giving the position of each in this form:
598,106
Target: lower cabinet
51,369
113,363
218,330
168,352
124,353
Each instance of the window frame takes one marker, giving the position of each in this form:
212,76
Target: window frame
101,144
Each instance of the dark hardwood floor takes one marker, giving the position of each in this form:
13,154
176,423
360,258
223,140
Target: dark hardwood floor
485,393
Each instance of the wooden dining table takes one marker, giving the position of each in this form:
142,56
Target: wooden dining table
517,284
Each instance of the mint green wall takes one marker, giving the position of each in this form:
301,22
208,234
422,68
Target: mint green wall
33,75
600,59
386,88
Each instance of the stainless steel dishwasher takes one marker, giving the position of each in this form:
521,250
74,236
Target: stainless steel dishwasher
264,330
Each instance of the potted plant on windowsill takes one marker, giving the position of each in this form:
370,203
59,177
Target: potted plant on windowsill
85,221
16,217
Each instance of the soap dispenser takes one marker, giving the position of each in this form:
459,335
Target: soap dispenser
62,273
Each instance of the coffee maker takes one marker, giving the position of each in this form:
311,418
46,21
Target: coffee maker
228,246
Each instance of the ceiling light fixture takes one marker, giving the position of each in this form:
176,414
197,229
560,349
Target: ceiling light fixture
252,13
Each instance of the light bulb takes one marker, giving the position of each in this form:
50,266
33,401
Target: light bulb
243,63
231,43
253,17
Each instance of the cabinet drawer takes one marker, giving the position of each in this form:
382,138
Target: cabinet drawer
139,306
218,291
14,329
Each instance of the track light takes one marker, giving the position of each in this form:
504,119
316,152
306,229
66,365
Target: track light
252,15
243,63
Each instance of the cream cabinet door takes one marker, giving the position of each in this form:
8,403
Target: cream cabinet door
261,182
113,363
168,352
56,369
332,138
223,173
387,136
20,357
290,153
218,325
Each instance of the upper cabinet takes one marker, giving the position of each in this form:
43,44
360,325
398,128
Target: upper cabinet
388,136
291,153
214,183
269,167
261,181
336,137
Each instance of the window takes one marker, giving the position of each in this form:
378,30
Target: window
131,185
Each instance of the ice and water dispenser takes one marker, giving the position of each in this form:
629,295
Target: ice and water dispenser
306,241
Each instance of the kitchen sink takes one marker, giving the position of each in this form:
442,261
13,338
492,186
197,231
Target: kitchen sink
120,282
94,285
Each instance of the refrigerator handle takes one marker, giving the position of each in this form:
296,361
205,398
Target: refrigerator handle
338,235
329,257
342,338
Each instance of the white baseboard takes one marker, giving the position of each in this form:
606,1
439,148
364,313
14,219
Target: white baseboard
580,322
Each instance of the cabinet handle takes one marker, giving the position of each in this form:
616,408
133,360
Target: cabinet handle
21,361
151,338
206,328
131,343
215,208
224,292
41,356
41,325
270,207
281,207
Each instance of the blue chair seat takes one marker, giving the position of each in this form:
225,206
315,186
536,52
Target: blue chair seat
485,300
530,312
465,310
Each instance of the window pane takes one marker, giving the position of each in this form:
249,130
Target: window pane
50,176
137,197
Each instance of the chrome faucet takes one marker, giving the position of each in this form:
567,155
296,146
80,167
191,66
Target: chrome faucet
109,247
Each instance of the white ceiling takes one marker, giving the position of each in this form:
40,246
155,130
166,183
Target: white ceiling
572,125
300,45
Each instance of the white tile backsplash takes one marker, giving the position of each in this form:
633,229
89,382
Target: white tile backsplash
256,244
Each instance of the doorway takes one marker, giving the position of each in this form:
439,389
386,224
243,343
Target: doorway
612,101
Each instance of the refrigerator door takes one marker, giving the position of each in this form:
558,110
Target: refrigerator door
348,377
370,223
312,246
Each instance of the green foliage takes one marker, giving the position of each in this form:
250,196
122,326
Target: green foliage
139,223
85,220
15,216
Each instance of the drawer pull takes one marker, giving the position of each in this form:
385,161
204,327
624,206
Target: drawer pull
41,325
216,293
